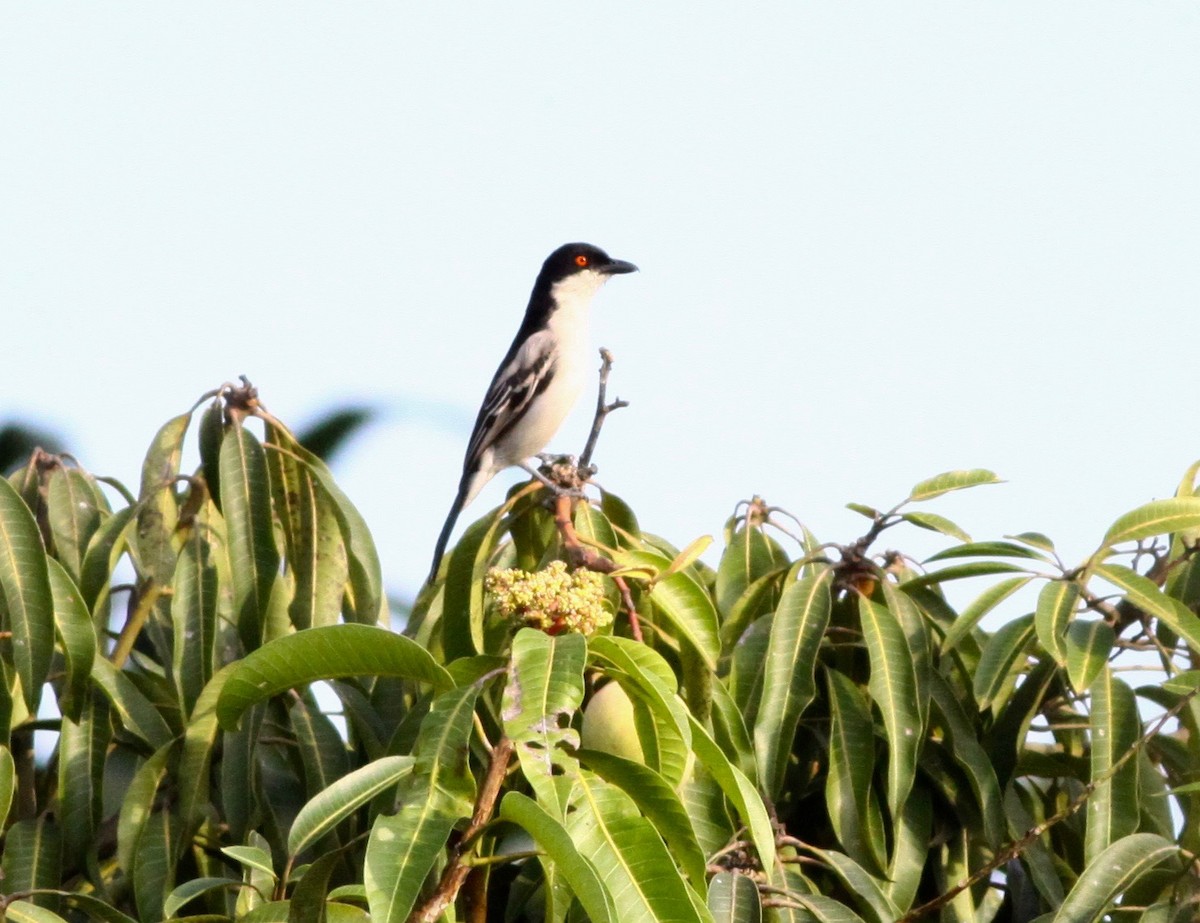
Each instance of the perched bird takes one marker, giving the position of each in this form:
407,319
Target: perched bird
540,377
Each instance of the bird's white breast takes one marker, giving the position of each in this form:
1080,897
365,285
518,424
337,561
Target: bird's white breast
568,327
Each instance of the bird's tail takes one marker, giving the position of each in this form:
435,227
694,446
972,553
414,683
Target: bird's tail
468,487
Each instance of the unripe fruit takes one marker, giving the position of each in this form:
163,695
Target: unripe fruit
608,724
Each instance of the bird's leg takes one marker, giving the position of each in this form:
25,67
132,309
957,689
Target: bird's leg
558,476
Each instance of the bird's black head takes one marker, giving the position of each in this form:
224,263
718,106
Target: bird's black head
570,259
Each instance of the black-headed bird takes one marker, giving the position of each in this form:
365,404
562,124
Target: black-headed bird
540,377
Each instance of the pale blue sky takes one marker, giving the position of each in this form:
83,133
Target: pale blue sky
877,241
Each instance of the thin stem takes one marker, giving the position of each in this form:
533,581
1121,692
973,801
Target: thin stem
603,409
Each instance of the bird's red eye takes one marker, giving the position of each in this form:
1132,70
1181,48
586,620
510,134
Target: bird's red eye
581,260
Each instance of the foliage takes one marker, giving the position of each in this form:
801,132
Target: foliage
203,714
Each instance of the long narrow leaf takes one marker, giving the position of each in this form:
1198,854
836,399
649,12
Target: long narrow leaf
1111,873
403,847
76,636
893,686
324,653
552,837
337,802
25,585
246,506
629,855
1142,592
1114,729
951,480
660,805
1055,607
789,680
1159,517
848,796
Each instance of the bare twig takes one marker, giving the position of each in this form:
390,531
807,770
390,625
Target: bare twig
603,409
457,871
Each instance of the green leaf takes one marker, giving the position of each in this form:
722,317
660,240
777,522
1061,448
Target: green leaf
316,553
685,605
1057,604
1034,540
8,781
135,713
323,751
741,793
935,523
1111,873
74,510
341,799
366,576
246,505
733,898
593,527
403,847
464,605
324,653
194,618
962,741
893,686
1089,642
961,571
281,912
26,912
984,603
32,857
82,749
628,855
543,692
552,837
25,586
93,907
138,803
866,889
650,683
913,835
853,811
1176,514
308,903
251,857
1004,653
157,508
951,480
190,890
825,909
986,549
77,638
789,683
749,555
1142,592
658,803
105,549
1114,729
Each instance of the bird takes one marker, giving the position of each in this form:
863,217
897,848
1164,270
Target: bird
540,377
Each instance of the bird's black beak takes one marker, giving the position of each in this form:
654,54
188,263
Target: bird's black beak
615,267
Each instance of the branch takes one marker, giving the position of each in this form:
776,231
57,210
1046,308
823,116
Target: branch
602,409
582,556
457,871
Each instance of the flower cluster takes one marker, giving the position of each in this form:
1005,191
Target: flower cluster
551,600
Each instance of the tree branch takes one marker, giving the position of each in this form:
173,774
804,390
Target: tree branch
457,871
582,556
602,410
